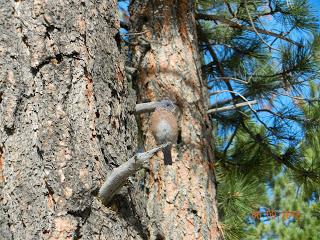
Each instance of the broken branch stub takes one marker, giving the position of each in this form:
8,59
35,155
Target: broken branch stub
119,175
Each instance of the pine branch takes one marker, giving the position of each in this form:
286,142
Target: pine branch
280,159
219,66
231,139
280,115
255,29
202,16
309,100
229,8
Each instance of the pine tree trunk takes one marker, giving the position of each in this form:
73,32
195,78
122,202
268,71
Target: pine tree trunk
65,120
180,199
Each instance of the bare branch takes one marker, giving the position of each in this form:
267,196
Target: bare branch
232,107
234,92
119,175
146,107
222,102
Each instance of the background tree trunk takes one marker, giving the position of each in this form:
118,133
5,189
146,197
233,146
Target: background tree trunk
65,111
180,199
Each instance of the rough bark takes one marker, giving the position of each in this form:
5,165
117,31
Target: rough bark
66,119
179,199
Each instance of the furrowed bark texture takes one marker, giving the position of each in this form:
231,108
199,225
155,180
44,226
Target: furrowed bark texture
66,119
180,199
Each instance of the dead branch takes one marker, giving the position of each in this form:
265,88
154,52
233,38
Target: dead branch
119,175
146,107
232,107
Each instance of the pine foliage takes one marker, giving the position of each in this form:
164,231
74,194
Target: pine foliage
266,51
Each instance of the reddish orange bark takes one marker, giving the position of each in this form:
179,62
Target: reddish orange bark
181,199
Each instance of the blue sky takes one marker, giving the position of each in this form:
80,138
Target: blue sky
316,5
